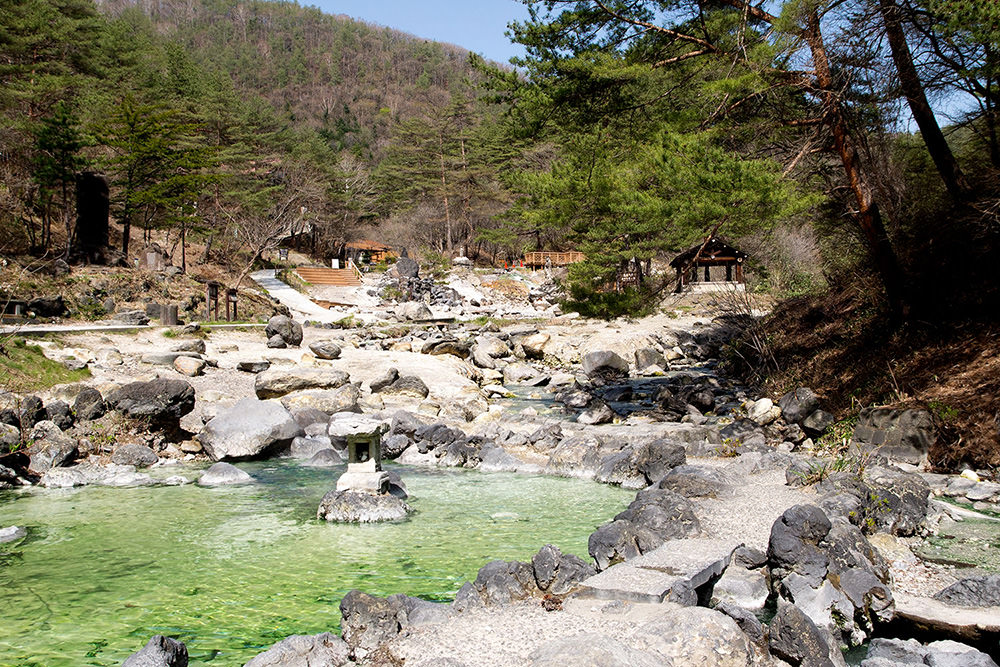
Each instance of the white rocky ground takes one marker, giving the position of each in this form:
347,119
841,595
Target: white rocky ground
510,634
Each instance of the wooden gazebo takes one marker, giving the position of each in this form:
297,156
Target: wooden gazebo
706,256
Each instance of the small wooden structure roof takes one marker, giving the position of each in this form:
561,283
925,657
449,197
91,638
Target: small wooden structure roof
368,245
715,253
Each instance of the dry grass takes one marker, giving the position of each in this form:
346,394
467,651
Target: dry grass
842,347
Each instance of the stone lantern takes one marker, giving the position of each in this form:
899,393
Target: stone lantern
364,461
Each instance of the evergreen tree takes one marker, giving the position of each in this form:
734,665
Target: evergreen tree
58,142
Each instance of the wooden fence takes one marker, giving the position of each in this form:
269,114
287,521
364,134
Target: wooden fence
538,260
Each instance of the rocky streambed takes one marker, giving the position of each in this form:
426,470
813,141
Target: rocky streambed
734,516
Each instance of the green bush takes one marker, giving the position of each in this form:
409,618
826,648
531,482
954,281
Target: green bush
633,302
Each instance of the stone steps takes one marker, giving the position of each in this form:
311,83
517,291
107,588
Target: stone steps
316,275
671,572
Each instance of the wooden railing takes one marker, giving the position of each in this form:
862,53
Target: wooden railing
541,259
357,271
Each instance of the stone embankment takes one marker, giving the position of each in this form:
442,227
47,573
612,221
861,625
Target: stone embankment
736,509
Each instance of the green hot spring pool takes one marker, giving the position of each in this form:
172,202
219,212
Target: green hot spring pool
232,570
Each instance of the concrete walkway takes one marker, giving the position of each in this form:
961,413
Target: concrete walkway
301,306
40,329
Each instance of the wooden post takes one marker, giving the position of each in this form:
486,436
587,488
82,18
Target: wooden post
729,272
231,299
168,315
708,275
212,299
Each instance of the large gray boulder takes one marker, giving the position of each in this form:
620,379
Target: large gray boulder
223,474
89,404
695,481
942,653
557,573
881,500
620,468
796,639
325,349
60,414
368,621
286,328
655,459
361,507
322,650
694,635
49,448
160,651
162,401
976,591
329,401
414,310
407,385
656,515
831,572
276,382
133,454
30,411
249,429
797,405
407,267
498,583
604,364
899,435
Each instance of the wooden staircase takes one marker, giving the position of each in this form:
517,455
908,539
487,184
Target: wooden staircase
318,275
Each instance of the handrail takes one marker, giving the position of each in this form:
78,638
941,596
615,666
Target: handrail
357,271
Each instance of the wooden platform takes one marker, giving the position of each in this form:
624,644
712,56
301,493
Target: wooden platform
316,275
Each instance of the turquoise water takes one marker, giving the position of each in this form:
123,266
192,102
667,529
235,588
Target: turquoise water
232,570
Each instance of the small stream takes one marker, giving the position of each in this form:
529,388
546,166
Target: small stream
232,570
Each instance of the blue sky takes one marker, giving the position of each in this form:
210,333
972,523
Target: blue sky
477,25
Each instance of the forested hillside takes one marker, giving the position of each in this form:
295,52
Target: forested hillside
231,123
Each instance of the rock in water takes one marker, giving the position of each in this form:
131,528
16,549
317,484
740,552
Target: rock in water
323,650
223,474
360,507
288,329
604,364
160,651
324,458
248,429
12,533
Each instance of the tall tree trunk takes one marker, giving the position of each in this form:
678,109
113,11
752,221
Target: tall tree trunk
126,232
868,217
444,195
913,88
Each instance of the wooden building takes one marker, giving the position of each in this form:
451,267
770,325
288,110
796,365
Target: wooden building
711,262
372,251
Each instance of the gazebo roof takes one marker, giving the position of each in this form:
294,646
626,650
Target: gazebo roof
715,249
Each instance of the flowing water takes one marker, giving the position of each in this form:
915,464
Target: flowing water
232,570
